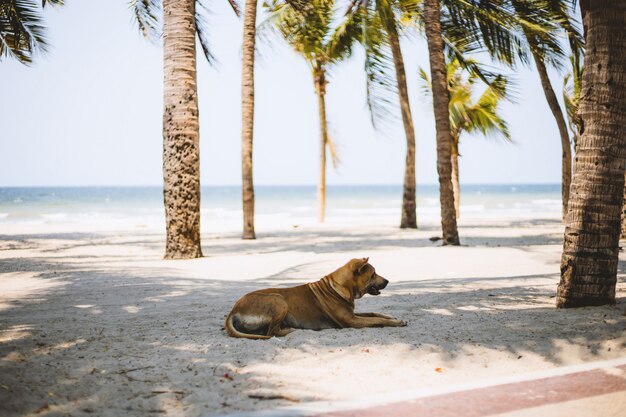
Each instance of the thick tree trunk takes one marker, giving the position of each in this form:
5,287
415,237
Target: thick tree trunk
181,153
320,88
623,233
555,108
441,98
247,122
590,249
456,186
409,206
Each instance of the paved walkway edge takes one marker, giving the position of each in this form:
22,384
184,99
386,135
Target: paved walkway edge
321,407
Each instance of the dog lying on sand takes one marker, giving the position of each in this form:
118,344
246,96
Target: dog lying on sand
324,304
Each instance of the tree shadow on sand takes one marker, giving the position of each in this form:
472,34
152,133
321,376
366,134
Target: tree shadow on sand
142,341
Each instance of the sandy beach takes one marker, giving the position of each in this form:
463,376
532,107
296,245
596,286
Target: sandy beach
94,322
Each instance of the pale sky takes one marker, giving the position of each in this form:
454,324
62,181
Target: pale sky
90,113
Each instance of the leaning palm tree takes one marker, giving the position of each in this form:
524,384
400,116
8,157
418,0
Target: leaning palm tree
182,22
545,49
380,35
468,115
457,28
311,32
22,30
591,241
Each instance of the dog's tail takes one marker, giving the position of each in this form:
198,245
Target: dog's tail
233,332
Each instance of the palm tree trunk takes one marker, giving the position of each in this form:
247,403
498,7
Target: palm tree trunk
320,88
456,186
623,232
409,206
181,135
566,156
247,122
441,98
592,227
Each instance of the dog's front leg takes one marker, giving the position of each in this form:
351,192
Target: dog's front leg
373,315
363,321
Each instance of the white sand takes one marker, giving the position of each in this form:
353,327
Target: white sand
94,322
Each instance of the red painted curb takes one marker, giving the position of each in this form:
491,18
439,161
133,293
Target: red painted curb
500,398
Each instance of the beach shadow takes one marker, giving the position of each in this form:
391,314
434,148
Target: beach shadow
139,341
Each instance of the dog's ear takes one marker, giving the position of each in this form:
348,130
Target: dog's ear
359,264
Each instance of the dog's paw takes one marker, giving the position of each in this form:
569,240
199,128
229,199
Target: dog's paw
401,323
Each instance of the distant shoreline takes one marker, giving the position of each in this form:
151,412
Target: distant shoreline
419,185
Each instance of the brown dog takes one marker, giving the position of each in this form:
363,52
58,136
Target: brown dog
324,304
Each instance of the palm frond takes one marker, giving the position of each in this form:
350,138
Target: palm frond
235,6
426,86
541,27
490,24
202,30
22,32
381,85
564,14
343,37
572,86
334,154
304,30
147,15
469,115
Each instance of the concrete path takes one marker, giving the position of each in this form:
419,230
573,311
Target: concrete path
588,390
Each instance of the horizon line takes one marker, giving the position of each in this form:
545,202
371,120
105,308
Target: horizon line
272,185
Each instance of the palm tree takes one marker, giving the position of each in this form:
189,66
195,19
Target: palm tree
380,36
441,102
545,48
622,234
309,30
182,22
590,250
181,135
247,117
22,30
458,28
468,115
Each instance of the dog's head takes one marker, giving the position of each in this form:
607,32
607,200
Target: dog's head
364,277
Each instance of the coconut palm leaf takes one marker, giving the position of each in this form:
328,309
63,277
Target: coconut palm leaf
466,114
147,14
572,87
22,31
202,30
381,85
334,153
341,41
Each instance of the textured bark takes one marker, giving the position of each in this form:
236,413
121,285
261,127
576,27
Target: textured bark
181,156
247,122
590,249
623,232
320,88
441,99
409,206
456,186
555,108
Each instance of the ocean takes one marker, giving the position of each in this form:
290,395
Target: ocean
275,205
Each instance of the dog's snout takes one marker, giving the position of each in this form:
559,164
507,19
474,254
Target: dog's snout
384,284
